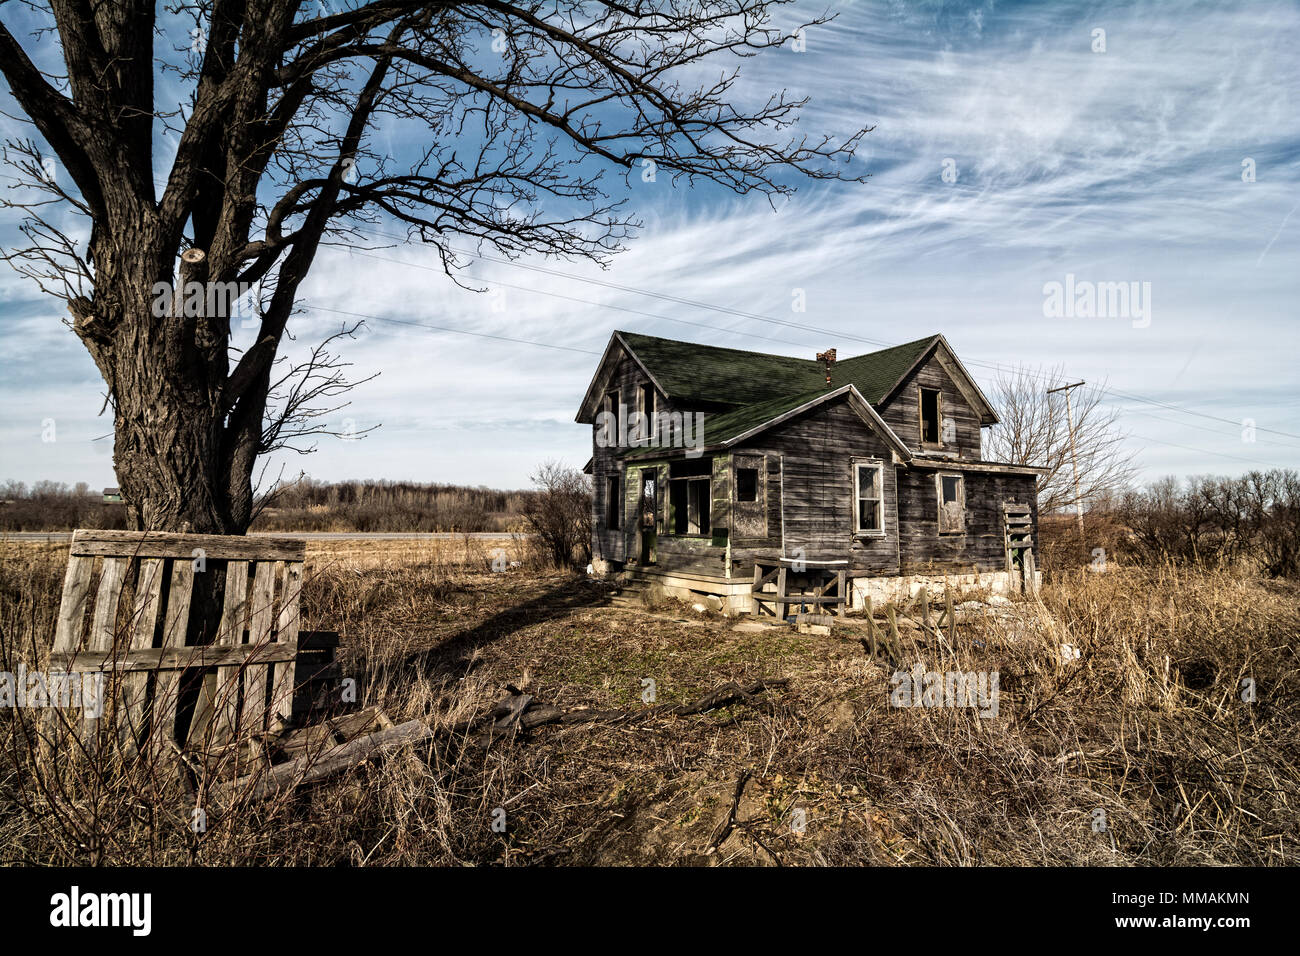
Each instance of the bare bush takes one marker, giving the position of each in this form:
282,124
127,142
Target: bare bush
559,514
1219,521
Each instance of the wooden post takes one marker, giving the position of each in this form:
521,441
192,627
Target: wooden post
871,627
895,648
780,593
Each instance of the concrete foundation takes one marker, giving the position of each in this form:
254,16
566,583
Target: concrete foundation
900,588
736,594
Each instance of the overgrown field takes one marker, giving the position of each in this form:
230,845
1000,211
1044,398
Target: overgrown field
1140,743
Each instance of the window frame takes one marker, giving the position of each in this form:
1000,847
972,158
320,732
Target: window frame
938,416
614,502
757,483
687,481
878,465
614,405
649,415
961,498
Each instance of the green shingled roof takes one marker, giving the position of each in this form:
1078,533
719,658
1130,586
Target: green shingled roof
706,373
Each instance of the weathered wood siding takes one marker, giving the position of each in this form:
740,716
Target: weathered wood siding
619,544
981,546
811,493
903,414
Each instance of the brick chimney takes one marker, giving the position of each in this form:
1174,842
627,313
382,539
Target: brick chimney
829,358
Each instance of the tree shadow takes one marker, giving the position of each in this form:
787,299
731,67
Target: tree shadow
453,656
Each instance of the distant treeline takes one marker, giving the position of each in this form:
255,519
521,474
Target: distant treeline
56,506
304,505
1252,520
309,505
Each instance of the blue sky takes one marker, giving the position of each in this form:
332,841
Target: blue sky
1122,165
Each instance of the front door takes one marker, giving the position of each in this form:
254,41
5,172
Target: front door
646,522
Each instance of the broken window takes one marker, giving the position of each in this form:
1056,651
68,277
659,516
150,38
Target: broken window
647,499
746,484
930,416
870,497
647,427
952,504
691,498
612,497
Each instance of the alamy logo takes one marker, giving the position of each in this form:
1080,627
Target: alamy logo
662,430
1098,300
75,908
55,689
196,300
921,688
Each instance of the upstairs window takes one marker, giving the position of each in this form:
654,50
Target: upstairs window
930,416
869,497
952,504
648,428
614,407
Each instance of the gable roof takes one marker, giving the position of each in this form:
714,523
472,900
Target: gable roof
749,385
691,373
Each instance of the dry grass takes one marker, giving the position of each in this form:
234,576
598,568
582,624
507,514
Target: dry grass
1148,725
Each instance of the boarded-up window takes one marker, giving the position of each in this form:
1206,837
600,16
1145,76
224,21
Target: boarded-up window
952,504
612,499
746,484
870,497
930,416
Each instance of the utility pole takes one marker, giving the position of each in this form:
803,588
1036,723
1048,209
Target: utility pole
1074,458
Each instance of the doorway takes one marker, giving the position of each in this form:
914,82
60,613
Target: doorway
647,523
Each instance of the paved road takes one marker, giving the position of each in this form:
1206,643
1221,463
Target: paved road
60,537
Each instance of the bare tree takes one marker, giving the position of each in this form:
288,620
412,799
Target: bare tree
273,152
1034,430
559,514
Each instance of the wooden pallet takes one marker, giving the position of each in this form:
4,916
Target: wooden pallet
831,594
247,673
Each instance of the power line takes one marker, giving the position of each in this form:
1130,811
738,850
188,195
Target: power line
572,298
1202,451
444,328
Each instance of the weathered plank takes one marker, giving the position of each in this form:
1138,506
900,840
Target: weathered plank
287,631
180,593
144,619
215,547
103,622
219,696
261,615
72,609
174,659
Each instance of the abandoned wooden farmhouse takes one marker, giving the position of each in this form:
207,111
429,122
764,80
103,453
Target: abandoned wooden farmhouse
752,476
